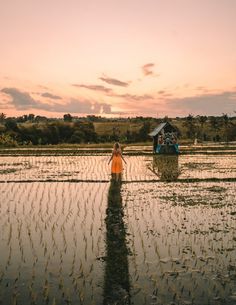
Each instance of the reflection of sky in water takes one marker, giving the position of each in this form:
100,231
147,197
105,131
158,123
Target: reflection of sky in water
183,238
52,236
54,243
138,168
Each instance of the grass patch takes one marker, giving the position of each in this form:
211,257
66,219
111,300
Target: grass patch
8,171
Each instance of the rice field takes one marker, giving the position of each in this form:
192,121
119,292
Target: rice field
165,235
94,168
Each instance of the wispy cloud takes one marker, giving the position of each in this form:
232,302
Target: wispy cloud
164,93
163,103
43,87
134,97
148,69
85,107
113,81
23,101
94,88
150,108
210,104
4,104
51,96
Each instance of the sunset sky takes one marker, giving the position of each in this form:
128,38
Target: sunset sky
118,58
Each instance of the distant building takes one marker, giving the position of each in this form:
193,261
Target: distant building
165,139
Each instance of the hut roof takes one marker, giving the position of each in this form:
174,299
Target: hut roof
166,126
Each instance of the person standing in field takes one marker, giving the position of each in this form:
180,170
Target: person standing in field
116,165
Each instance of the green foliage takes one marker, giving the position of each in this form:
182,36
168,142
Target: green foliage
231,135
67,117
2,117
86,130
11,124
144,131
214,123
7,141
37,130
190,124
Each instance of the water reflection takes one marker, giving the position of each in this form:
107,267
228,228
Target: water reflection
166,167
116,283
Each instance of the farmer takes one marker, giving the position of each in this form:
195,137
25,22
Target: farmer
116,158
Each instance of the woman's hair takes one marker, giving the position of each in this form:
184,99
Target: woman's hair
116,146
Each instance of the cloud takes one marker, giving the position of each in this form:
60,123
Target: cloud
209,104
150,108
43,87
162,104
94,87
77,106
134,97
164,93
147,69
200,88
113,81
51,96
23,101
4,103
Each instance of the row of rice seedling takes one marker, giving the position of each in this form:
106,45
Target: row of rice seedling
182,239
43,168
181,236
208,166
52,236
95,168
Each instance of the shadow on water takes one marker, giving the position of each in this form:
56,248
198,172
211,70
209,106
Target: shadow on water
116,283
166,167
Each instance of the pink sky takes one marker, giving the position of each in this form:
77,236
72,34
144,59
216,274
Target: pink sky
126,57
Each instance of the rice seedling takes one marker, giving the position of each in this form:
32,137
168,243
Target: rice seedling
45,237
191,248
55,235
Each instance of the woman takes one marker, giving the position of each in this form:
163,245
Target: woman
116,165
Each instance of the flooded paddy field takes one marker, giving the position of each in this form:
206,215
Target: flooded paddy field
95,168
52,237
165,235
183,241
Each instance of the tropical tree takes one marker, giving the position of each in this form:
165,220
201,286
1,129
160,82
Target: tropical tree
31,117
225,124
11,124
191,127
2,117
202,120
215,126
232,132
67,117
144,131
7,141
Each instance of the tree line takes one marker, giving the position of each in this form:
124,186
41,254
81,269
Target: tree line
39,130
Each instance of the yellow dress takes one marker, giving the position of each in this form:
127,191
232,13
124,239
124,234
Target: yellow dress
116,165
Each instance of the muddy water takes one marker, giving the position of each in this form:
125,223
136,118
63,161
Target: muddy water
183,240
52,243
157,238
95,168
